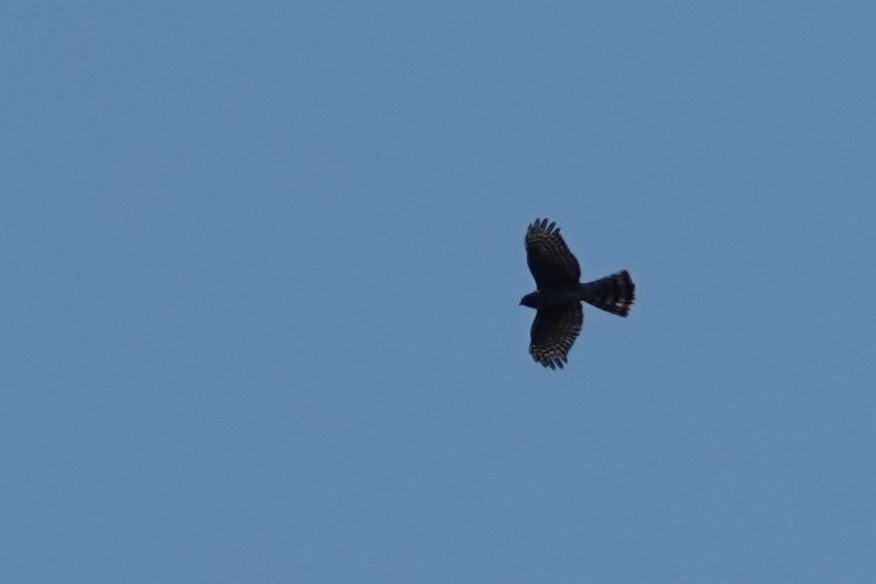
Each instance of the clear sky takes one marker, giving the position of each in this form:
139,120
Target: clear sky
262,260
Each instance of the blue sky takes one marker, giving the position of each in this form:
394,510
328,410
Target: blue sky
262,264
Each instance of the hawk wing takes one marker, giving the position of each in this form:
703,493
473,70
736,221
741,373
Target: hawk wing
550,261
553,333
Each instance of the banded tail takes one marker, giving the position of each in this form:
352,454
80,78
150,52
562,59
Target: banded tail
614,294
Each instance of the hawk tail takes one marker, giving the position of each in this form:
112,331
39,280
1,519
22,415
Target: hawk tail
614,294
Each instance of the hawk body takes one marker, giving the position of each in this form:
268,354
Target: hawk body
560,317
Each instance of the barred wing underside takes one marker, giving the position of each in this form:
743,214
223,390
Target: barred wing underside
549,259
553,333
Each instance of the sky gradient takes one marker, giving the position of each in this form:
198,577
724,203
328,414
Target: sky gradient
262,264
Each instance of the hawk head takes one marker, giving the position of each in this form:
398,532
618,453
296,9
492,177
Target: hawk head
532,300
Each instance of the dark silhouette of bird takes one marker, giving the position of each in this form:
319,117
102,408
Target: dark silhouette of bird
559,294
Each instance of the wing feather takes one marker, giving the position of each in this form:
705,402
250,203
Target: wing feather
553,333
549,259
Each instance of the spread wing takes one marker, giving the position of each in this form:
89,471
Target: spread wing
553,333
550,261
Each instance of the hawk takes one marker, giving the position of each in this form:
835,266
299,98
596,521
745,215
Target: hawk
559,293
